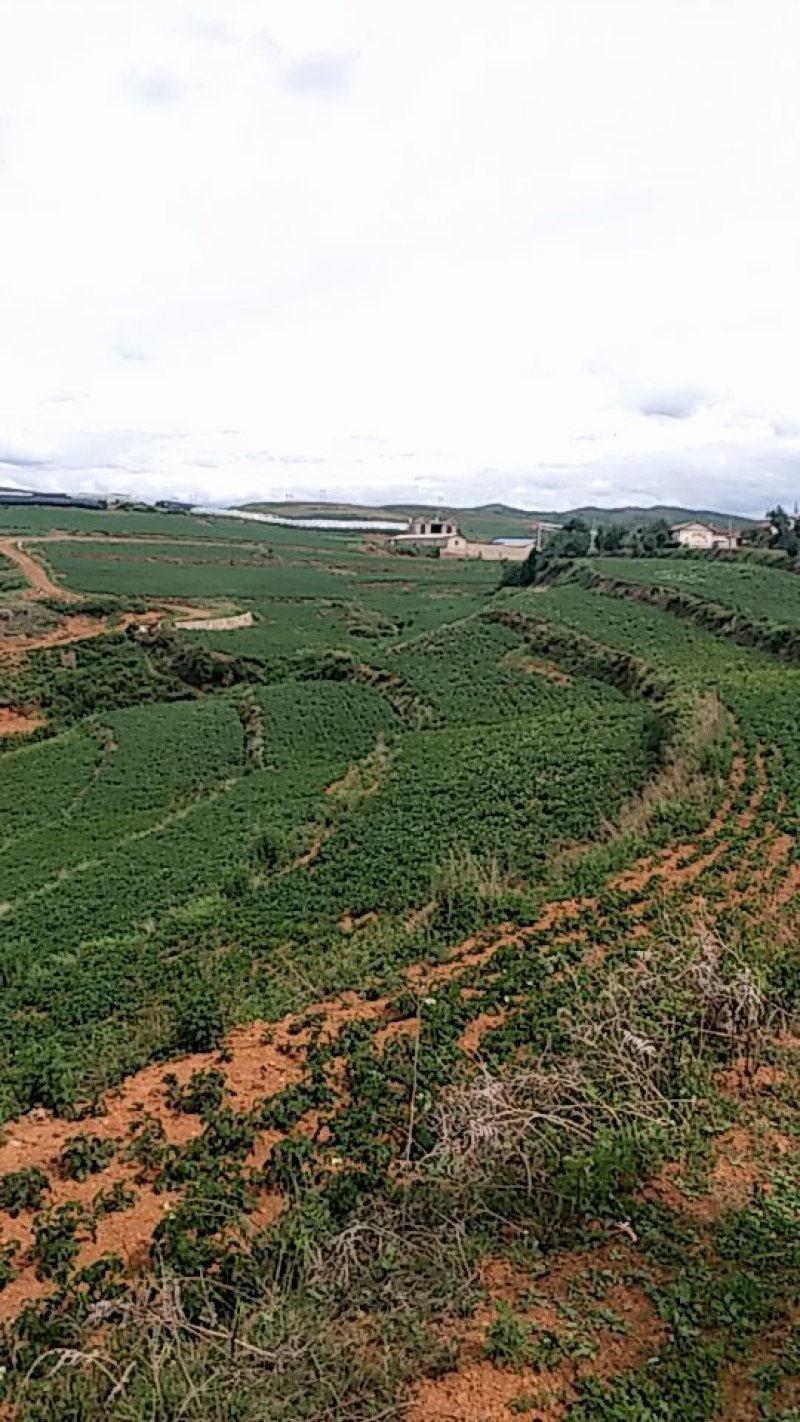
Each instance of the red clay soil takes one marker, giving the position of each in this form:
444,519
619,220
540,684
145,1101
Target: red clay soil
15,722
742,1167
471,1039
681,863
747,1079
75,628
481,1391
473,953
740,1390
348,924
762,886
735,783
789,889
72,629
309,855
264,1058
257,1068
39,580
262,1062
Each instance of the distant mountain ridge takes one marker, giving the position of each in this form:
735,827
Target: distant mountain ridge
496,519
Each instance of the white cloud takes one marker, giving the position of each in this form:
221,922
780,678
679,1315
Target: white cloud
540,253
326,75
156,86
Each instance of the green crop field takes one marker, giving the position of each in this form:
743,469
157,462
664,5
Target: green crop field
15,518
11,580
257,571
759,591
400,994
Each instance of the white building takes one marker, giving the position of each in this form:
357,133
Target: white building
430,533
451,542
501,551
704,535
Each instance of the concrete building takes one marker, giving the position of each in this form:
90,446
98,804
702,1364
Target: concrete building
427,532
447,537
704,535
511,551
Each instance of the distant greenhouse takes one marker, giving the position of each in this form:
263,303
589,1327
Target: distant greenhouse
333,525
33,499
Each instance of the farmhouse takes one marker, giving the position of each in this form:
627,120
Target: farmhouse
513,550
447,538
429,533
704,535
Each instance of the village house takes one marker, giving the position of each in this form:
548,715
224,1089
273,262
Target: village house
704,535
451,543
514,550
429,533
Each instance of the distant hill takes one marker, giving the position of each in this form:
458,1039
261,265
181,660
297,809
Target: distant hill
496,520
631,516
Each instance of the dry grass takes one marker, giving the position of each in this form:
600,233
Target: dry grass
634,1050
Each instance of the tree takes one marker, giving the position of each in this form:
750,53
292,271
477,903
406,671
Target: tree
573,541
785,531
656,535
613,538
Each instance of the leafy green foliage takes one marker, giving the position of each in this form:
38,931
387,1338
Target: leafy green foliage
203,1093
23,1189
230,826
57,1239
508,1338
8,1256
85,1155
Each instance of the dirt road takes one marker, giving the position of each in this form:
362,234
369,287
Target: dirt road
39,580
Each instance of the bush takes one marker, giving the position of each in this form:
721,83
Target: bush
8,1253
200,1025
83,1156
56,1243
203,1094
23,1190
508,1338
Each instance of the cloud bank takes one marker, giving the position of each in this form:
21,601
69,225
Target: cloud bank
538,253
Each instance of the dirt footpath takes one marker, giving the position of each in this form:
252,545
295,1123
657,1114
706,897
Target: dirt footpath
39,580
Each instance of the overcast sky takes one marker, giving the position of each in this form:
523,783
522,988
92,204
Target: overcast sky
543,251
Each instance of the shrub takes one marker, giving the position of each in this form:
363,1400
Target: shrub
199,1024
23,1190
203,1093
8,1253
56,1240
83,1156
508,1338
114,1200
149,1147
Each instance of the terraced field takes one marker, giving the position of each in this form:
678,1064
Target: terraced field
759,591
399,1009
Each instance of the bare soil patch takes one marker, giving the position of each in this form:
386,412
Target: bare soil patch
75,628
17,722
38,578
742,1167
482,1391
537,666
